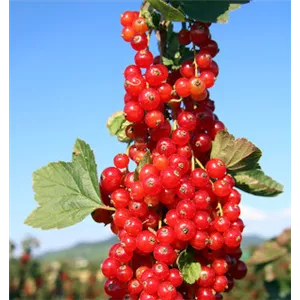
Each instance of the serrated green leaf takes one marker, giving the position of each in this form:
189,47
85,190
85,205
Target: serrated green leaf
190,269
114,123
238,155
257,183
169,12
145,160
66,191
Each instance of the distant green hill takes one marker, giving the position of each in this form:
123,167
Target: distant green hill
97,251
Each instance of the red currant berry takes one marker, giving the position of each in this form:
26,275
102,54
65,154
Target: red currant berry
133,226
207,277
202,219
186,209
161,131
220,266
185,229
202,142
151,285
186,190
212,48
187,121
161,271
111,179
139,42
146,241
134,84
185,151
216,241
156,75
221,224
127,18
234,197
203,59
187,69
132,70
199,178
121,161
114,287
199,34
228,178
205,294
166,291
128,33
182,87
166,235
208,78
200,240
232,238
180,163
137,190
238,224
165,92
148,169
138,209
149,99
134,286
166,146
239,271
221,188
150,219
145,296
216,168
164,253
109,267
201,199
220,283
120,198
124,273
143,59
180,136
184,37
140,25
154,118
121,255
172,218
231,211
175,277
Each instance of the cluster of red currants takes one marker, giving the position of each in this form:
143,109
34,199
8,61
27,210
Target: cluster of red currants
170,205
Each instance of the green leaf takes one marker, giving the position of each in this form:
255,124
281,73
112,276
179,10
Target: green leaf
66,191
114,123
144,161
167,61
238,155
121,134
257,183
225,16
169,12
152,18
205,11
190,269
117,125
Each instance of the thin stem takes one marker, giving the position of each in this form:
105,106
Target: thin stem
199,163
195,63
127,149
152,230
193,162
220,208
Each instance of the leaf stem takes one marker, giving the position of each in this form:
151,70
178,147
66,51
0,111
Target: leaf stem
107,207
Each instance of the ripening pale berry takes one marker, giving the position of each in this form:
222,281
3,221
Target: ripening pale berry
140,25
127,18
128,33
216,168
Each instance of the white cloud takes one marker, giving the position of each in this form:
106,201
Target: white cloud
252,213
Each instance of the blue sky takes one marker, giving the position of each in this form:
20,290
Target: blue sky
66,64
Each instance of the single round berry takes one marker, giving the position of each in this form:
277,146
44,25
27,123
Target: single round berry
134,286
220,284
149,99
165,235
187,69
124,273
128,33
208,78
133,226
180,163
166,291
138,209
207,277
228,178
132,70
120,198
172,218
221,223
127,18
221,188
121,255
121,160
152,185
161,271
187,121
109,267
202,219
143,59
147,170
166,146
200,240
216,168
234,197
199,178
151,285
170,178
232,238
182,87
205,294
121,216
212,48
201,199
180,136
165,92
238,224
231,211
128,243
134,84
184,37
220,266
185,229
139,42
164,253
137,191
199,34
175,277
146,241
154,118
186,209
186,190
203,59
140,25
239,271
202,142
216,241
111,179
156,75
114,288
196,86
